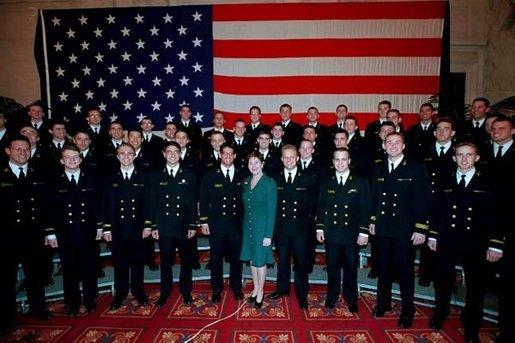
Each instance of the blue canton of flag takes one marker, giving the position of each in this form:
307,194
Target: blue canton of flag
130,63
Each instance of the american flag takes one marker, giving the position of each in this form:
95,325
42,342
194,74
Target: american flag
148,61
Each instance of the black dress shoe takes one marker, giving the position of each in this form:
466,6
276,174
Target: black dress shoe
251,299
405,322
187,299
435,323
90,308
329,303
115,304
238,295
142,300
162,300
153,266
72,311
258,304
216,297
42,314
276,295
353,308
303,304
378,312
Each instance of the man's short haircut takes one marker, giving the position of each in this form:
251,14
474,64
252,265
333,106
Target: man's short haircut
344,106
171,143
181,131
277,124
146,118
255,108
18,137
116,122
227,145
352,118
469,144
135,130
70,147
447,120
388,123
503,118
289,147
399,134
123,144
485,100
183,106
341,150
312,108
385,102
394,110
285,105
264,132
338,130
427,104
84,132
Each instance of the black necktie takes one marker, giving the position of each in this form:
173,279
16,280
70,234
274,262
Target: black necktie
499,153
340,126
304,166
22,175
59,146
73,181
227,175
392,167
35,126
477,125
96,130
126,176
462,182
341,181
289,180
442,148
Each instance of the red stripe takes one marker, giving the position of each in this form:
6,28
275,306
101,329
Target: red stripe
383,47
317,11
327,85
326,118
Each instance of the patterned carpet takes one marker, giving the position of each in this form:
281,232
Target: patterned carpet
278,321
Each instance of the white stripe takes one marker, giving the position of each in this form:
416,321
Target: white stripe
47,75
327,66
325,103
327,29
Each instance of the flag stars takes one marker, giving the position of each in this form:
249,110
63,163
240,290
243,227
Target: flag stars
110,19
127,105
114,93
141,93
184,81
198,117
197,67
169,118
156,81
84,45
86,70
169,69
126,56
77,108
139,18
127,80
198,92
169,94
154,56
83,20
56,21
182,30
168,18
113,117
182,55
112,44
60,71
112,69
197,16
197,42
75,83
156,106
125,31
70,33
63,97
98,32
141,69
72,58
99,57
58,46
140,44
140,117
89,95
154,31
102,107
101,82
168,43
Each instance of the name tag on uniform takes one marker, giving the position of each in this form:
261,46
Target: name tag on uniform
63,191
301,189
404,180
331,191
479,191
280,188
353,191
447,190
163,183
138,185
86,189
6,184
218,185
115,185
380,179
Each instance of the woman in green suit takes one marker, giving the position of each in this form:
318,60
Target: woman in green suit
260,201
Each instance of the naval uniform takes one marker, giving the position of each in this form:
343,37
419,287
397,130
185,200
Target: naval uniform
173,213
343,213
400,207
221,207
293,225
127,213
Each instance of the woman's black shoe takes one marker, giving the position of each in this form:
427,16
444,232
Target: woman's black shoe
258,304
251,299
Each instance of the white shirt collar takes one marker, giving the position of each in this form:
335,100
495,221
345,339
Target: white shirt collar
172,171
16,169
505,147
468,175
293,173
396,163
128,171
344,175
76,175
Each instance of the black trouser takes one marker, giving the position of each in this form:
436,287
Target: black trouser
342,256
506,294
167,247
296,245
128,261
395,256
427,265
225,244
149,254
